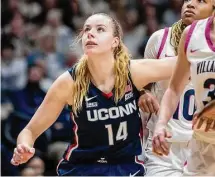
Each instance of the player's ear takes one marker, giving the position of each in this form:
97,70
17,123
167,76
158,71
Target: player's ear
115,42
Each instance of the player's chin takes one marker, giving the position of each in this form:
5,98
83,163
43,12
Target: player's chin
90,52
188,20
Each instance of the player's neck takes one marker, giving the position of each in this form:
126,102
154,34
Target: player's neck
101,69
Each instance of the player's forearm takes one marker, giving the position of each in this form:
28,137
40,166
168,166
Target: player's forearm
168,106
26,137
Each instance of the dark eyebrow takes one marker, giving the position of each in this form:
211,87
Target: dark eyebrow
96,25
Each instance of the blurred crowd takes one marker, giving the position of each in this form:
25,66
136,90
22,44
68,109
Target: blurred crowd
38,43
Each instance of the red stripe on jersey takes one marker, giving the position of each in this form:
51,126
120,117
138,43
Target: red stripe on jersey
107,95
75,144
138,161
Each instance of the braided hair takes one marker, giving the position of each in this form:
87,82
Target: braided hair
176,32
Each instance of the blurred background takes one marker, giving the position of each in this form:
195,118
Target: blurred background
37,45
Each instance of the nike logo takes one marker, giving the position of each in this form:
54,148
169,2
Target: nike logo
88,99
134,174
193,51
169,55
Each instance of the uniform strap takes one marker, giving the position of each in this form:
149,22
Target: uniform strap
72,71
189,34
166,31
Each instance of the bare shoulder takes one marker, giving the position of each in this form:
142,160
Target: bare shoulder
62,87
159,33
64,81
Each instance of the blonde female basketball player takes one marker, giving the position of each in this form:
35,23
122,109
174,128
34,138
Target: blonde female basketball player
164,43
196,58
102,91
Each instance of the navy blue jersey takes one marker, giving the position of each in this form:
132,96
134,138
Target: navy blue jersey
105,130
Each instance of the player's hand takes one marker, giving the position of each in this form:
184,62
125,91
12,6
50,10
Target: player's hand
22,153
160,146
148,103
206,116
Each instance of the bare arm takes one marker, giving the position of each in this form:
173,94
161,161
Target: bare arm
49,110
145,71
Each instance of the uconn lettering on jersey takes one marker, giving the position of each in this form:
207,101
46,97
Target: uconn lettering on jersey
111,113
206,66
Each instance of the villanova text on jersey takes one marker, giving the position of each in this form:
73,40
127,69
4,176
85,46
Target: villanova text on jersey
206,66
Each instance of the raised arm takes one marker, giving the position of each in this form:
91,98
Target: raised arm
171,97
55,100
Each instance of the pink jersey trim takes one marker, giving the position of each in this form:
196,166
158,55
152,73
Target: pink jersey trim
207,33
190,32
166,31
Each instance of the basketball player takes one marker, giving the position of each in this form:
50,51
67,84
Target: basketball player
196,58
102,91
164,43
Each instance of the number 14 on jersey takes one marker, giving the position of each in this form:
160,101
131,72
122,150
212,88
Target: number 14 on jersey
122,132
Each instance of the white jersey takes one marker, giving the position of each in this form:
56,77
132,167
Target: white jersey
158,47
200,52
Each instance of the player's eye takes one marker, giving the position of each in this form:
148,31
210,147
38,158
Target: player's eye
100,29
86,29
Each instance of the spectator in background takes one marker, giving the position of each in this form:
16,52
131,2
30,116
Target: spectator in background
30,9
15,33
46,5
64,35
46,54
35,167
150,11
71,14
88,7
172,14
10,8
25,103
152,26
133,32
13,69
71,59
7,169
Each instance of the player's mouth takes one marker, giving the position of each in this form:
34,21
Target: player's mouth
188,13
91,43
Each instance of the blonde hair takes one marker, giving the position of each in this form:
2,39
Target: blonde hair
176,32
121,71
